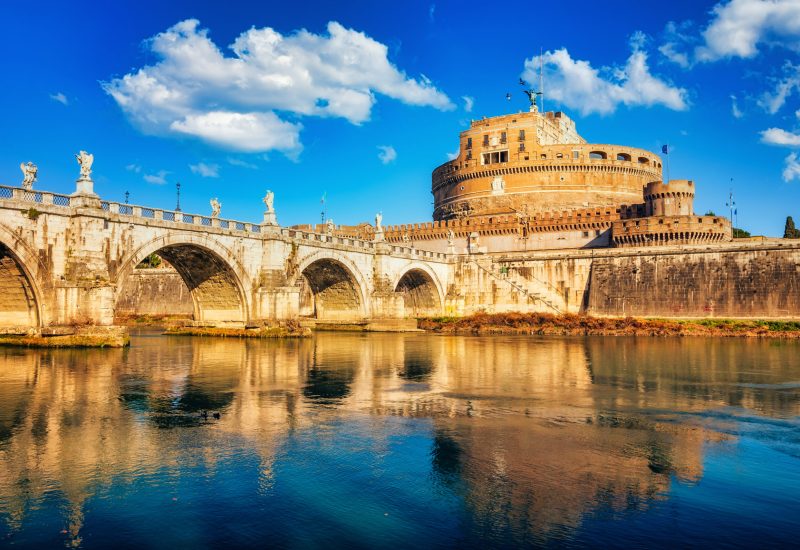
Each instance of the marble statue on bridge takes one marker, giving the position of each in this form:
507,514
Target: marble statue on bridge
268,199
29,173
216,206
85,160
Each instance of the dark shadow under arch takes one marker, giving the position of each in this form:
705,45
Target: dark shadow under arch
328,290
18,304
420,295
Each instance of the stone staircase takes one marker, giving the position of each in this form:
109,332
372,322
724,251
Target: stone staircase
535,289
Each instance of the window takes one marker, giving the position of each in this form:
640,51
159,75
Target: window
469,143
486,140
543,156
522,146
469,155
585,233
522,135
597,155
643,160
575,154
559,156
502,137
495,157
624,156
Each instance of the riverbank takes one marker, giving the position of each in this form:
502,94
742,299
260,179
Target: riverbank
583,325
288,329
70,337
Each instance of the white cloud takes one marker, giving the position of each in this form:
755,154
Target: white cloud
735,111
61,98
432,12
738,27
773,100
205,170
469,102
386,153
453,155
778,136
578,85
159,178
135,168
791,168
231,101
242,163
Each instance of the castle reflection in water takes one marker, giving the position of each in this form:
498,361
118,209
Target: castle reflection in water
530,432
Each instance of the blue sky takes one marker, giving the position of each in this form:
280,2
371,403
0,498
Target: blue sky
233,100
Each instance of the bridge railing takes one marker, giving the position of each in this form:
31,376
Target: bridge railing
33,197
177,216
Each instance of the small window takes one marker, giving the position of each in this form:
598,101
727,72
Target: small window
543,156
502,137
469,155
597,155
644,160
469,143
624,156
522,135
503,156
559,156
486,140
575,154
585,233
522,146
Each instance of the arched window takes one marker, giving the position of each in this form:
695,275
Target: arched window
644,160
598,155
624,156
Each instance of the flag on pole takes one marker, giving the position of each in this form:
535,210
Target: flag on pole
665,149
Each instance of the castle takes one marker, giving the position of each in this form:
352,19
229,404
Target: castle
529,181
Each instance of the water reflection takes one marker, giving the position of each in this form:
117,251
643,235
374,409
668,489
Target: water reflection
496,440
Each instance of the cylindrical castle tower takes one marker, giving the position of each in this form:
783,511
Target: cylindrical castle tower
673,199
536,162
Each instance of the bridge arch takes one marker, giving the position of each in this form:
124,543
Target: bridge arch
336,289
21,303
421,289
217,283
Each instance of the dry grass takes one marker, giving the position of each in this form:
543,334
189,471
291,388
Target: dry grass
571,324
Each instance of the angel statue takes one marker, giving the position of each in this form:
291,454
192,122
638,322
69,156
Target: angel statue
329,227
29,173
85,160
216,206
451,237
268,200
378,220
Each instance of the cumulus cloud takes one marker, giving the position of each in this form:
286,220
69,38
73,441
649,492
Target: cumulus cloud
231,101
135,168
791,168
576,84
677,39
205,170
735,110
469,102
739,26
778,136
386,153
61,98
159,178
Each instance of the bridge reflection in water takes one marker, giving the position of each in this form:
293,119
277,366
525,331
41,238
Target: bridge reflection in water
395,439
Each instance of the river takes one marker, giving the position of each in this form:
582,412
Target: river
399,440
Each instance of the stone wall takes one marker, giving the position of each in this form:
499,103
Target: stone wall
758,283
154,292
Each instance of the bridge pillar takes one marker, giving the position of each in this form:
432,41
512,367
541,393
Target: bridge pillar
278,303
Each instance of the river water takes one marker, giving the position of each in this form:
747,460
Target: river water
392,440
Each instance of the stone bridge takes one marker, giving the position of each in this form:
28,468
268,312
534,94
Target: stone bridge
64,260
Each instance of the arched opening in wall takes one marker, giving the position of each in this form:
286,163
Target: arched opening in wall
644,160
18,307
182,280
420,295
624,156
328,290
597,155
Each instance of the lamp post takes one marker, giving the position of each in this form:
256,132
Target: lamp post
178,192
731,204
127,195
